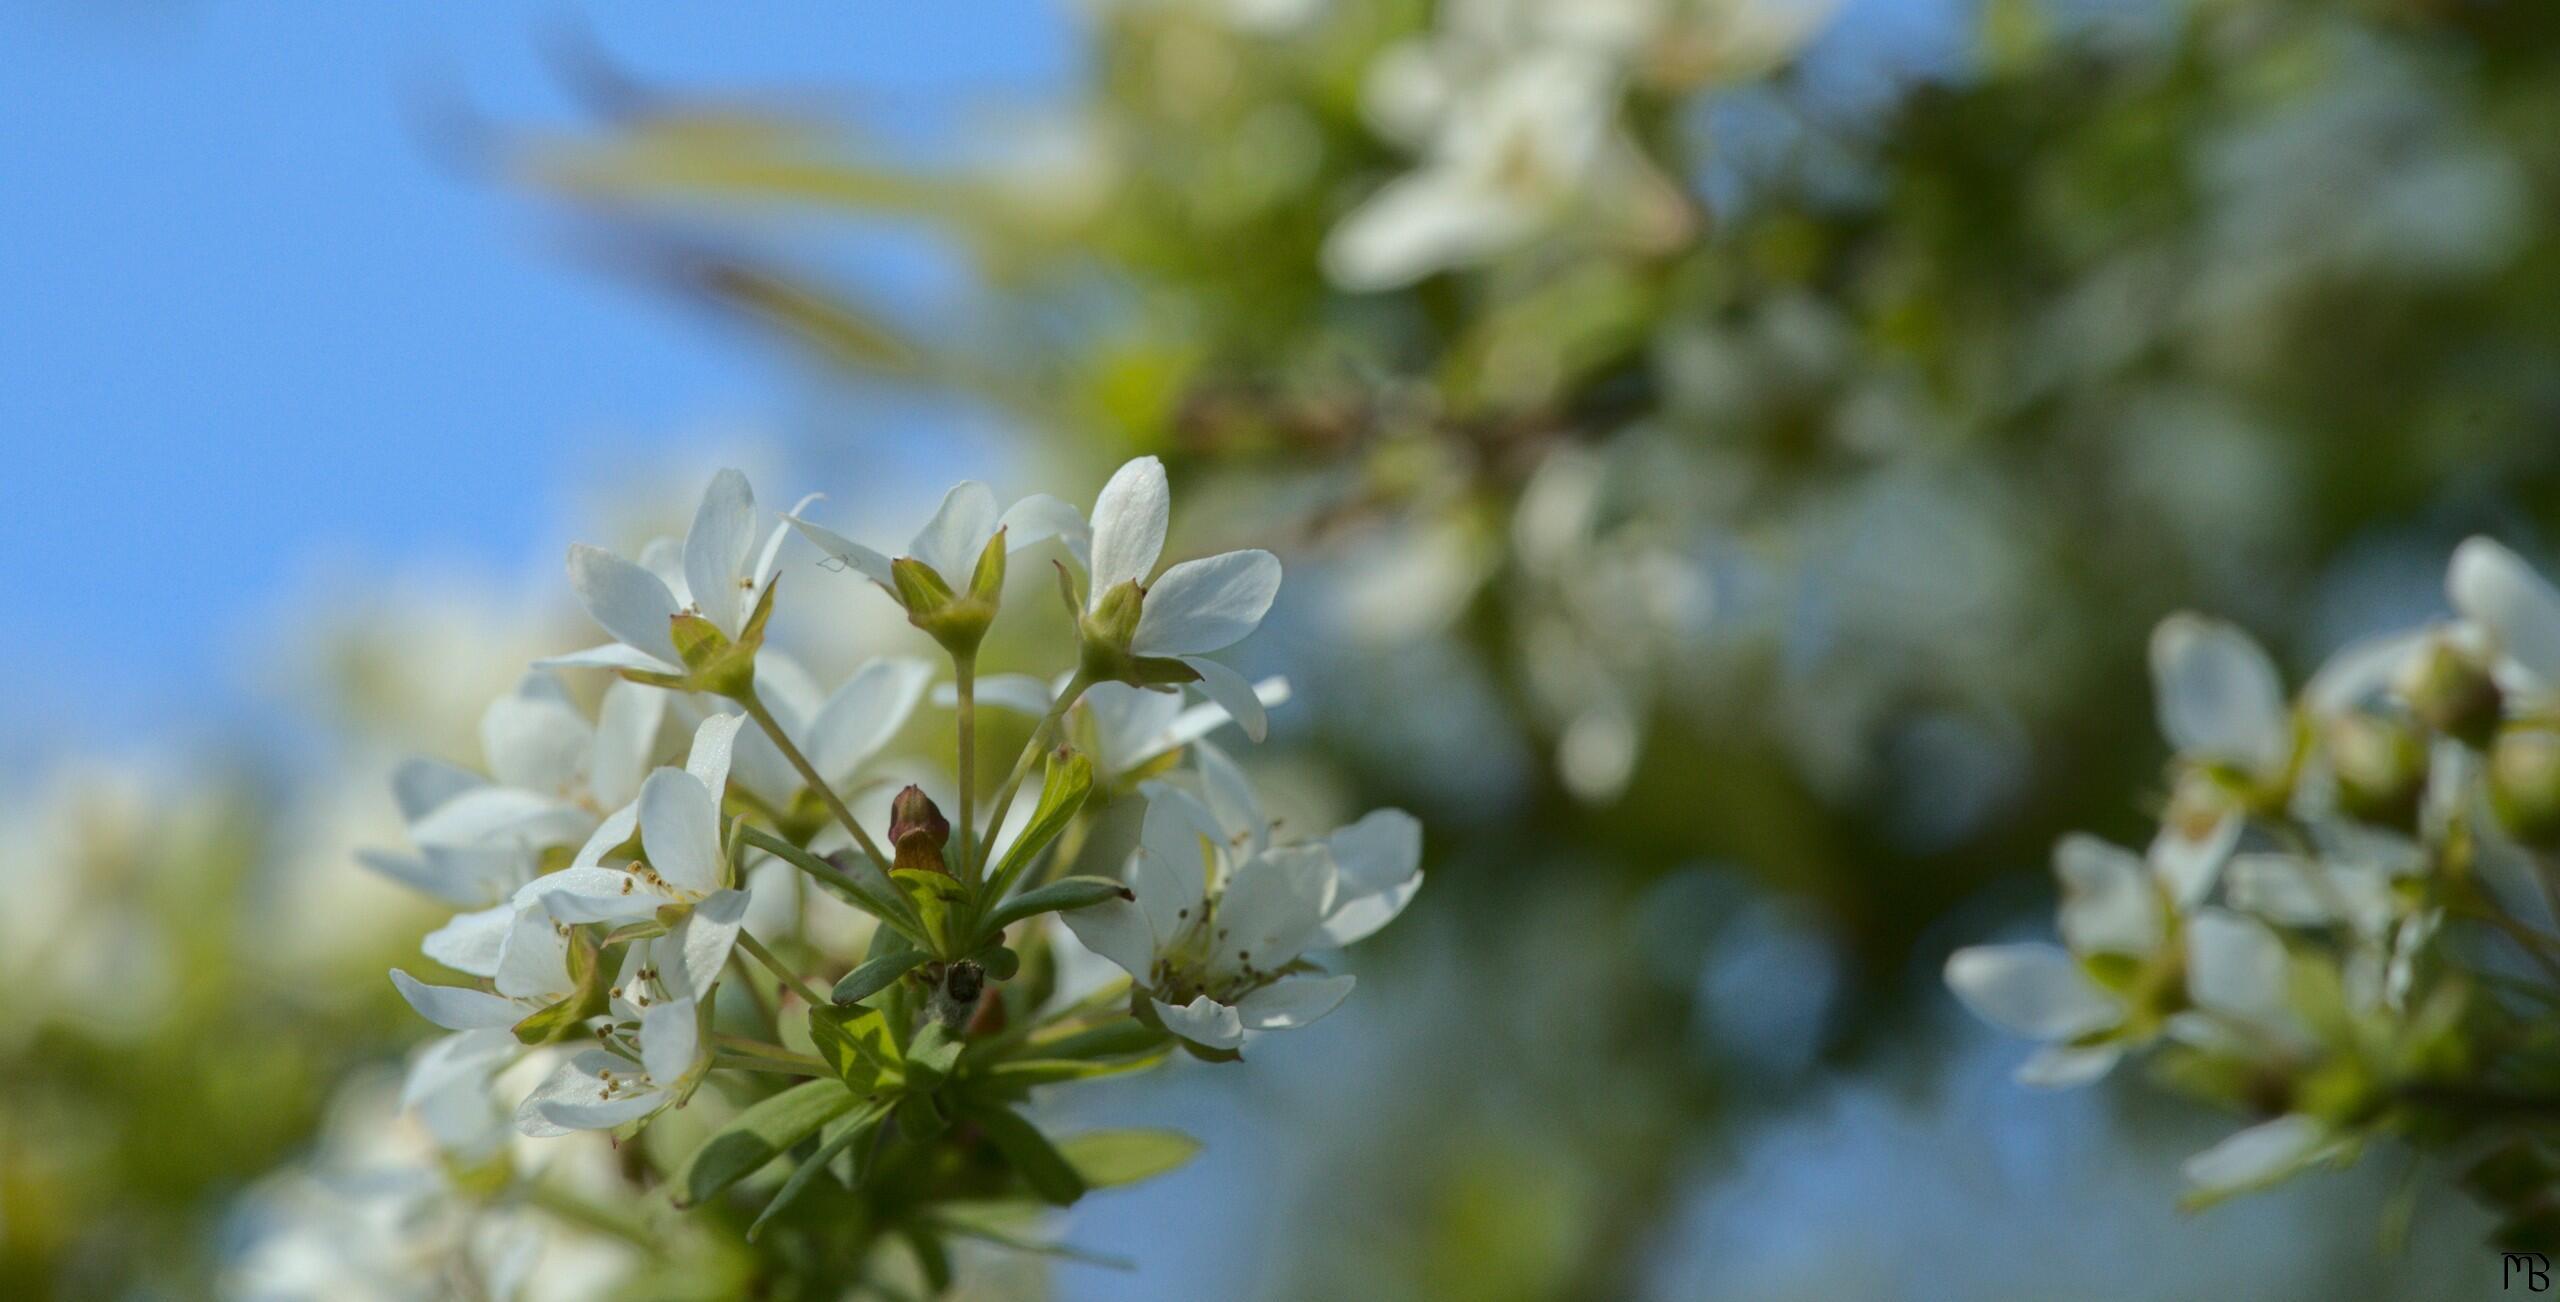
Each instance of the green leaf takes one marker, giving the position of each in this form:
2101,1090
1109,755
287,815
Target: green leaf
1058,896
1049,1071
1106,1041
996,1222
931,1056
932,1256
1043,1167
841,1135
1109,1158
856,1043
758,1135
1062,791
875,975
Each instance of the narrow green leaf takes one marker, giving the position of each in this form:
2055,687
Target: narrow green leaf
875,975
1062,791
760,1134
1107,1158
996,1222
856,1043
1043,1167
841,1135
1109,1040
1050,1071
1058,896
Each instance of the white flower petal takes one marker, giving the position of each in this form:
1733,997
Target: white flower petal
680,829
576,1099
670,1036
950,542
846,552
1203,1021
1243,827
488,817
612,655
701,943
2259,1155
462,1056
535,740
2219,695
2060,1066
533,965
1420,223
420,785
472,942
2037,991
2236,967
2493,586
1292,1002
718,547
1117,930
1235,697
864,714
1272,909
1040,517
626,600
610,834
714,743
1128,526
2189,866
1171,871
1206,605
2363,671
1380,852
456,1008
2108,903
625,740
1356,918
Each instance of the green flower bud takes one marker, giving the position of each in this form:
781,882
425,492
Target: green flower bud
2381,766
2451,692
2524,784
958,622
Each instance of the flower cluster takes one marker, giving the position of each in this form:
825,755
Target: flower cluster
1516,112
2344,923
639,891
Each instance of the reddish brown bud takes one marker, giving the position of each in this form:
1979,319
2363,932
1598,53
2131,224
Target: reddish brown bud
918,830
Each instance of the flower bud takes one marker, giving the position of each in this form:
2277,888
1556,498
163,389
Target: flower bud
2451,692
2524,784
919,831
955,1000
2381,766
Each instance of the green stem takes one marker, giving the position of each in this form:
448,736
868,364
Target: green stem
964,669
1032,750
809,774
748,942
893,910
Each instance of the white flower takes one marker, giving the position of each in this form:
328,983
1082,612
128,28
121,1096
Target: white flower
1191,609
1221,916
721,575
1512,151
678,818
601,1090
2116,906
950,543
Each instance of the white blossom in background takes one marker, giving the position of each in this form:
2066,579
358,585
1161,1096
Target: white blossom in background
2289,945
1513,108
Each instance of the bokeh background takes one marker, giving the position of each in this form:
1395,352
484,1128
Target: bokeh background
1743,567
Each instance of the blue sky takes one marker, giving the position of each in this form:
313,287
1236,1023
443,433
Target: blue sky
250,326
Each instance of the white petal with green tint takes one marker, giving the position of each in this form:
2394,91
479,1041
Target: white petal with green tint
2037,991
626,600
1129,519
1206,605
2219,696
